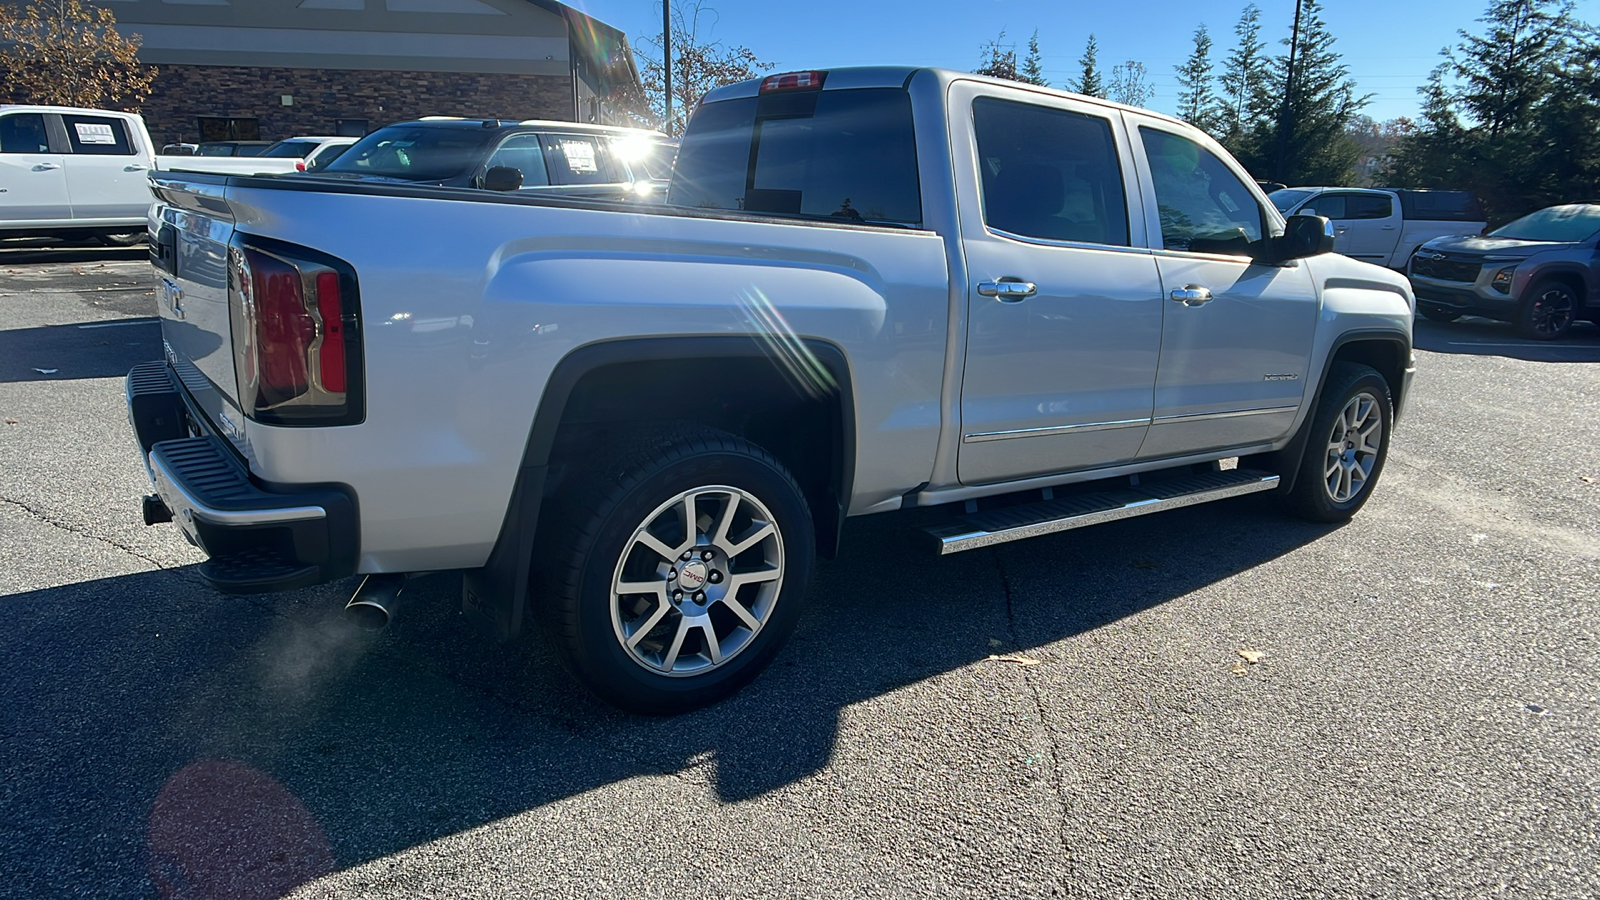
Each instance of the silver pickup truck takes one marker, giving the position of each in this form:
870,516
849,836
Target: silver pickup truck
868,290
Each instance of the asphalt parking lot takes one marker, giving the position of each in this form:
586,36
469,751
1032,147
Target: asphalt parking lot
1422,719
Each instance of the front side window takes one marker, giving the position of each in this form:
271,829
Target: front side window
1203,206
95,136
1329,206
523,153
23,133
1049,173
847,155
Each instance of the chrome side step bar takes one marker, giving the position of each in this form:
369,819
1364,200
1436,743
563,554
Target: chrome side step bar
984,529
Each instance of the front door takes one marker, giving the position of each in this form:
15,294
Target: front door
33,180
1236,339
1064,302
106,175
1366,224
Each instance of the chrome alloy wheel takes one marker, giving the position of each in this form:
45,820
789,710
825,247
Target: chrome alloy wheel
697,581
1353,447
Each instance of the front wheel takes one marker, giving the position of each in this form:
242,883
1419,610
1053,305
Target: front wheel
1547,311
682,565
1347,446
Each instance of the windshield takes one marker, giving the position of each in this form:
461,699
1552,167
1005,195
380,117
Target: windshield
289,149
215,150
414,153
1557,224
1286,199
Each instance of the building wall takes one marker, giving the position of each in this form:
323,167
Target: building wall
321,97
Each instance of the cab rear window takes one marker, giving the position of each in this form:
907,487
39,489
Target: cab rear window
414,153
840,155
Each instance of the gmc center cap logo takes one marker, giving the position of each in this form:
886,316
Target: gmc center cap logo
693,576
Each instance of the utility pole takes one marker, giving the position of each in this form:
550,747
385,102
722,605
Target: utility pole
1285,116
666,64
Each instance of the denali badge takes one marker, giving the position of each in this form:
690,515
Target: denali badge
1286,376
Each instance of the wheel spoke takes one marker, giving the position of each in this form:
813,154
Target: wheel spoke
749,619
750,540
671,659
721,538
657,547
713,646
649,624
1334,463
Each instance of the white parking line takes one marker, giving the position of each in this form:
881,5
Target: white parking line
1527,345
150,321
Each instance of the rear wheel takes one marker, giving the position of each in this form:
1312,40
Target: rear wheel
681,567
123,240
1348,444
1547,311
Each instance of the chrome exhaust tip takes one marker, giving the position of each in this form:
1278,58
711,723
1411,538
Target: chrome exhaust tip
372,606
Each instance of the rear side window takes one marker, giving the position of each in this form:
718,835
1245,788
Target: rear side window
840,155
94,136
524,153
1049,173
1203,206
23,133
1368,206
579,159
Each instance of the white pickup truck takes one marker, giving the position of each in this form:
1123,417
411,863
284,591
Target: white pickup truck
1384,226
868,290
73,172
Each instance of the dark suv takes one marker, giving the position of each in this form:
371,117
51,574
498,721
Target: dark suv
567,158
1541,272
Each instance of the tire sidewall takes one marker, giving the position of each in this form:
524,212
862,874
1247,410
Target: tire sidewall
1322,506
607,666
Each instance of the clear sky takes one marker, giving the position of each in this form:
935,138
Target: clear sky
1389,45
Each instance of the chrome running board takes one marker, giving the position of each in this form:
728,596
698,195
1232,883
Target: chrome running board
997,526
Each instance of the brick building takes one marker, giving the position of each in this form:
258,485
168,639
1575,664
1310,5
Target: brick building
269,69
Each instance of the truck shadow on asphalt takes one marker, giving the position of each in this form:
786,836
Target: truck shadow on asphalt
1485,337
101,349
27,251
154,731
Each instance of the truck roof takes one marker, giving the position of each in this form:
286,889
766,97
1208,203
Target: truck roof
548,124
72,110
851,77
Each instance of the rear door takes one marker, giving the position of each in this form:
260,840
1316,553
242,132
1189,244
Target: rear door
107,175
1236,337
33,178
1064,302
1366,224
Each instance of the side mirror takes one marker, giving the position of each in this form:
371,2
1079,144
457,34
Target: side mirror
1305,236
506,178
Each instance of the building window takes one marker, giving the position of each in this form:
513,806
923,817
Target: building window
219,128
350,127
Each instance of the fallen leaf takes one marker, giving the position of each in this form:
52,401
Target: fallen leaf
1251,656
996,642
1586,479
1017,658
46,371
11,421
1239,668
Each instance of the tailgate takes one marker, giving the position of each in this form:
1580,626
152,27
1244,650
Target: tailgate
192,226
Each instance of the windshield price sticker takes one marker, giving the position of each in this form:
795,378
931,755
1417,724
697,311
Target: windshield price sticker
580,156
90,133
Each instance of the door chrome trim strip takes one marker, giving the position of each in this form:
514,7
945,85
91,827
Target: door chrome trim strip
1229,414
1087,427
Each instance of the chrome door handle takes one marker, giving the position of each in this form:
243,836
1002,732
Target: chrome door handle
135,167
1192,295
1007,291
46,167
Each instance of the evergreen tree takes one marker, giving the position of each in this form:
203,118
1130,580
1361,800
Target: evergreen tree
1196,99
1089,83
1032,67
998,59
1505,73
1244,73
1308,141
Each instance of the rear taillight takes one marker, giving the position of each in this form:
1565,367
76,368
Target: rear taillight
296,348
300,166
793,81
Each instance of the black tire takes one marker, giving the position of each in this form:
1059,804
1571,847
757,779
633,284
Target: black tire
1313,497
1438,313
595,542
1547,310
123,240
